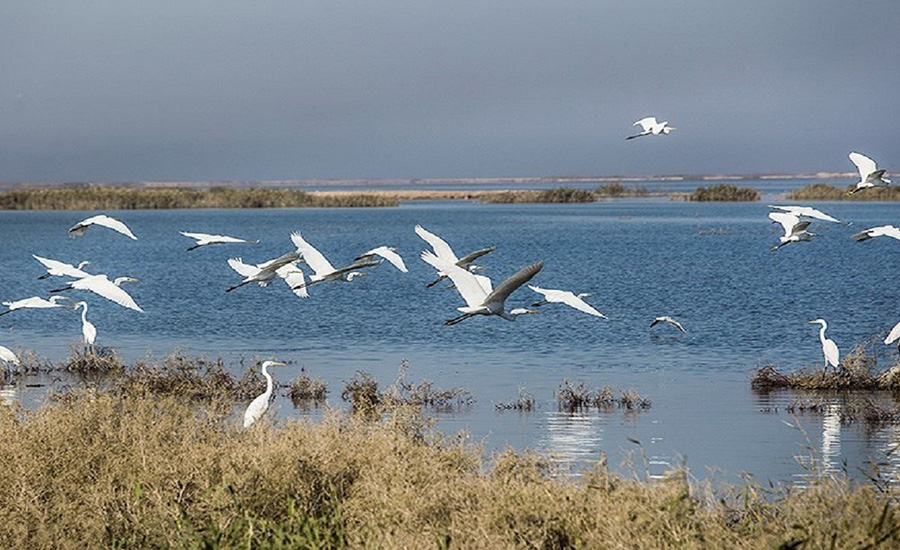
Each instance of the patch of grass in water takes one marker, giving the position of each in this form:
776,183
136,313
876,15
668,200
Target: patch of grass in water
856,372
574,398
725,192
524,402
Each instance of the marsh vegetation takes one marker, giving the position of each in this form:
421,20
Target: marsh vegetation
828,192
725,192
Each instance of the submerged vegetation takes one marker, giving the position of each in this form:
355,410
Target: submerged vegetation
725,192
828,192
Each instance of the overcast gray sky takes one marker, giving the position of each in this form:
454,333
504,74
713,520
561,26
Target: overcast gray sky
301,89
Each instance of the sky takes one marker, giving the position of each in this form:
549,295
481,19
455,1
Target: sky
113,90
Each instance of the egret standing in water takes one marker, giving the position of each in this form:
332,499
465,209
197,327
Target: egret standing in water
259,405
88,330
829,348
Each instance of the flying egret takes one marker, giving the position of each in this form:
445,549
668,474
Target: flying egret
480,298
893,335
880,231
7,356
322,268
794,229
651,127
829,348
389,253
259,405
566,297
102,286
36,302
204,239
263,274
79,228
667,319
60,269
88,330
809,212
869,174
442,250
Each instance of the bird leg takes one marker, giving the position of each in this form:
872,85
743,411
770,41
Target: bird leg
193,247
439,279
60,289
229,289
458,319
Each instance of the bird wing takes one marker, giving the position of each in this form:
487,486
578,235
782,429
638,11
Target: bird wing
799,227
34,301
893,335
485,283
108,222
647,123
388,255
242,269
786,219
518,279
441,248
864,164
465,282
204,238
316,261
568,298
472,256
832,354
293,276
102,286
8,356
61,267
808,212
675,324
880,231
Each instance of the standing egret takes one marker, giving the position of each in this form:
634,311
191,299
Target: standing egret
651,127
61,269
389,253
480,298
829,348
869,174
261,273
79,228
204,239
443,251
102,286
36,302
260,404
880,231
809,212
667,319
322,268
289,272
88,330
794,229
566,297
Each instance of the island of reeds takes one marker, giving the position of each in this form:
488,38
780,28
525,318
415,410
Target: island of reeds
828,192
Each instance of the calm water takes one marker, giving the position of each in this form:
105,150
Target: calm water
708,265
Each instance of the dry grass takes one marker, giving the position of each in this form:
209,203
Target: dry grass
524,402
616,190
192,378
725,192
828,192
855,373
305,390
555,195
573,398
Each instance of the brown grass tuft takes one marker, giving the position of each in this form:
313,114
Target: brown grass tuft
856,373
724,192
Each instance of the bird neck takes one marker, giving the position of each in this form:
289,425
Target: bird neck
822,331
269,383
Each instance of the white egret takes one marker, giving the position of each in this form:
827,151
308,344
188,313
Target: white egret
8,357
322,268
893,335
880,231
829,348
869,174
651,127
389,253
667,319
480,298
442,250
794,229
204,239
568,298
79,228
36,302
61,269
260,404
262,273
102,286
289,272
88,330
809,212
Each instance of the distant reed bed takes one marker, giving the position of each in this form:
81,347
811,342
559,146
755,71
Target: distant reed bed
828,192
725,192
160,198
555,195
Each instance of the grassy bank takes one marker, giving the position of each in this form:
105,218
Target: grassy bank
555,195
724,192
828,192
140,466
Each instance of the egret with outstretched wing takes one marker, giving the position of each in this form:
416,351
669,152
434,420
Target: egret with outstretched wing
61,269
808,212
36,302
322,268
79,228
102,286
869,174
651,127
669,320
442,250
265,272
205,239
566,297
880,231
389,253
794,229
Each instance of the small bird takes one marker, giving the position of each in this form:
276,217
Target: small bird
667,319
61,269
566,297
794,229
880,231
260,404
102,286
869,174
442,250
265,272
322,268
386,252
809,212
204,239
829,348
88,330
36,302
651,127
79,228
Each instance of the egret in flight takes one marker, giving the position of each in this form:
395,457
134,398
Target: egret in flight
322,268
809,212
880,231
794,229
389,253
36,302
8,357
259,405
264,273
61,269
79,228
566,297
88,330
476,290
829,348
869,174
651,127
443,251
893,335
667,319
204,239
102,286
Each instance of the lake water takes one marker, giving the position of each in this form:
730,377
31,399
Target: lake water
707,265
